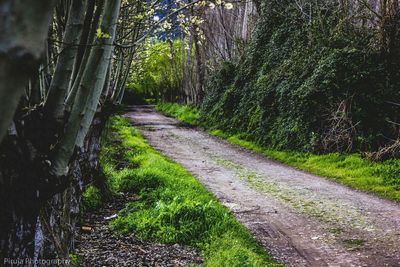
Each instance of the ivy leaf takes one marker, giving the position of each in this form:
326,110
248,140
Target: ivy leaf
102,35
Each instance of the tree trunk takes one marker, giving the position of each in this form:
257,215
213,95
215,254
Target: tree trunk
23,29
61,213
54,108
78,76
84,40
90,88
200,71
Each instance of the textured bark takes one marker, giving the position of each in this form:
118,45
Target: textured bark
61,213
27,184
84,40
82,65
24,186
23,29
27,230
54,108
88,94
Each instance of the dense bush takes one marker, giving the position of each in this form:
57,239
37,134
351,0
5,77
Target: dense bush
309,86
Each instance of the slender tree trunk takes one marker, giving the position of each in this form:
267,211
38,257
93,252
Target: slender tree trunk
118,76
84,40
90,88
92,34
54,107
125,75
200,71
107,83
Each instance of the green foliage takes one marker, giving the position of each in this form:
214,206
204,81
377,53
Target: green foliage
74,260
102,35
184,113
293,78
173,207
390,171
91,198
158,74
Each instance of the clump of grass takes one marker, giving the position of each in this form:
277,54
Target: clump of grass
74,260
390,171
230,252
185,113
91,198
173,207
353,244
181,220
382,179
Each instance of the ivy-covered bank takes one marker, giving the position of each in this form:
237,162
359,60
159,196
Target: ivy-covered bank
172,206
324,84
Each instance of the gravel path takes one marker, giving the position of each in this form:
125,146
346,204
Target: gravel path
301,219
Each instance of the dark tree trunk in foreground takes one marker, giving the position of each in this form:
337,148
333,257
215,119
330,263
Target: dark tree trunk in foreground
29,231
23,29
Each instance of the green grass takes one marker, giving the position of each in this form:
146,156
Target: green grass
173,207
74,260
382,179
91,199
184,113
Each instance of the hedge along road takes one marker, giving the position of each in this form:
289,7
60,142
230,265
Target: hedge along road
300,219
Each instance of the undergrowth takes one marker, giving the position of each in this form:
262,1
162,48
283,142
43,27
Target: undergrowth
173,207
380,178
312,85
91,198
184,113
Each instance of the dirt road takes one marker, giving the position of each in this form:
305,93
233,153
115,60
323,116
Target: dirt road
301,219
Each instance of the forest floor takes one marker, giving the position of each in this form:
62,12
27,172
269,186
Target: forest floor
99,246
301,219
